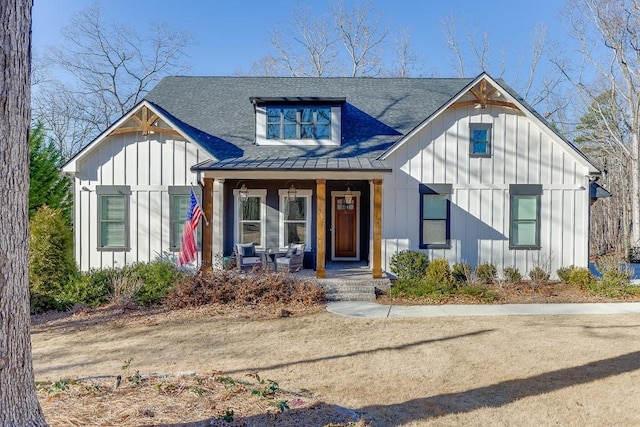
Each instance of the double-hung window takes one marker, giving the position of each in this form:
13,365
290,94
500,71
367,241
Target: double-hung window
524,227
179,204
250,217
480,140
300,122
435,216
113,217
295,217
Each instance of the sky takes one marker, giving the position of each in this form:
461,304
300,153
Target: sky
230,35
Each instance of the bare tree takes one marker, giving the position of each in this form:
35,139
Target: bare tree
451,39
344,43
18,398
309,48
110,69
361,35
406,60
608,32
472,54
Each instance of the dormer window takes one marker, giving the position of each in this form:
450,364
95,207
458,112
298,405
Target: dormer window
312,122
298,121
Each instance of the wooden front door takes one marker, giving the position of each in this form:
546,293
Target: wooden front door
345,223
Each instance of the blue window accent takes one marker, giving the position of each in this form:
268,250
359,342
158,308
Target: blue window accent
480,140
300,122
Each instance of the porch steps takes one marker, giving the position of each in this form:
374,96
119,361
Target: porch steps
352,289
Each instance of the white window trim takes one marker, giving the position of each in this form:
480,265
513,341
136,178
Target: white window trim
283,193
262,193
261,131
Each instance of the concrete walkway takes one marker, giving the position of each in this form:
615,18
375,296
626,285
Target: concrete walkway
373,310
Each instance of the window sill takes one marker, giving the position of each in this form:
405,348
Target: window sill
523,247
486,156
435,246
114,249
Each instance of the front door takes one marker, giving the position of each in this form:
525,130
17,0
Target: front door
345,228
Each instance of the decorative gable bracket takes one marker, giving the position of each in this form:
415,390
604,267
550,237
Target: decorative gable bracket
144,123
484,95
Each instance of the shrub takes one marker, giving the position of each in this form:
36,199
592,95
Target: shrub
616,278
480,292
564,273
156,278
461,271
539,275
51,262
581,277
439,271
92,288
422,289
222,287
409,264
511,274
486,272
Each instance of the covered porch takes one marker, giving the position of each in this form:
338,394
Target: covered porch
338,215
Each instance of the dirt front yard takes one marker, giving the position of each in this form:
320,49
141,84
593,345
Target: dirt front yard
529,370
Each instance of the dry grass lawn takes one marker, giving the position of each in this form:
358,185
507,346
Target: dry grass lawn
520,371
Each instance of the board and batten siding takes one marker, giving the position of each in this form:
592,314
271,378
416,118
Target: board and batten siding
522,153
149,165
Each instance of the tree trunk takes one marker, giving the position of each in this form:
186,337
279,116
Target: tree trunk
635,198
18,401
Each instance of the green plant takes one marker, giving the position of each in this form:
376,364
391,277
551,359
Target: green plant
486,272
564,273
479,292
511,274
439,271
230,383
157,278
409,264
269,387
59,386
577,276
227,417
51,262
282,405
92,288
461,271
197,391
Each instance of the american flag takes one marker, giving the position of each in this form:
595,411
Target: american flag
189,248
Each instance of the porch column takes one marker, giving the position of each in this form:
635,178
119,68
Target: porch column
217,227
321,222
377,228
207,229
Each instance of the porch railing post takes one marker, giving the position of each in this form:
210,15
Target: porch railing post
321,222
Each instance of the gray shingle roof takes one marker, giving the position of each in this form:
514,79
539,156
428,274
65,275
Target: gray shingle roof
218,114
